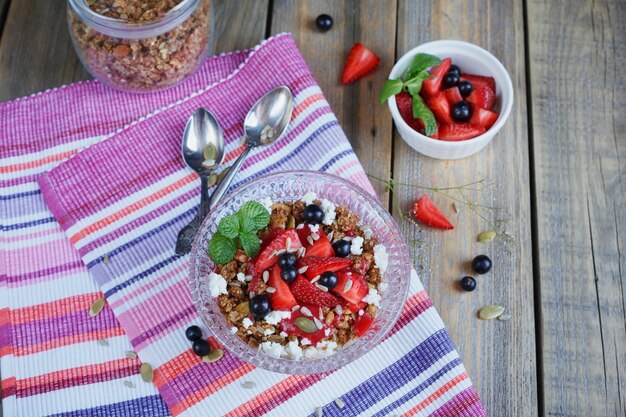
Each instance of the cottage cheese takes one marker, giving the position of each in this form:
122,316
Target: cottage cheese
372,297
233,330
247,322
272,349
268,332
275,316
241,277
217,285
381,258
305,341
356,247
309,197
293,350
267,203
314,228
329,212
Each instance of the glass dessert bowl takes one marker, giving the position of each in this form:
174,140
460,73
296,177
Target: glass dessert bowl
392,282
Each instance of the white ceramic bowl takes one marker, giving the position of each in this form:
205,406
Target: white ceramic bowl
471,59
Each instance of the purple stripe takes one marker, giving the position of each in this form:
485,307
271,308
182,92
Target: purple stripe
45,330
152,406
54,270
166,325
464,404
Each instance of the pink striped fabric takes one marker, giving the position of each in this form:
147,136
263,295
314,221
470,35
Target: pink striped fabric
120,195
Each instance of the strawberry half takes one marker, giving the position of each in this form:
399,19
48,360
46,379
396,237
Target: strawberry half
405,107
453,95
480,81
273,234
483,97
440,107
360,62
316,265
459,131
483,117
268,257
288,326
307,293
362,324
320,247
432,85
282,298
427,212
356,290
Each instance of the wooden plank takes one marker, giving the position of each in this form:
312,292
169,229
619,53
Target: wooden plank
4,7
366,123
577,58
33,60
500,356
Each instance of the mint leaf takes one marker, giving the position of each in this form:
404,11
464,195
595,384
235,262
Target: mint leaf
250,243
229,226
247,226
414,85
421,111
255,211
221,249
390,88
420,63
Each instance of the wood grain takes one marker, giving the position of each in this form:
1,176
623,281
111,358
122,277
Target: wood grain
33,60
500,356
366,123
577,58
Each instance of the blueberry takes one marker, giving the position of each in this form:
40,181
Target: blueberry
313,214
260,306
451,80
481,264
201,347
193,333
287,259
468,283
324,22
342,248
465,88
289,274
329,280
461,111
454,69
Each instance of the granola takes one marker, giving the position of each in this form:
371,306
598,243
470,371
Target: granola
311,288
144,64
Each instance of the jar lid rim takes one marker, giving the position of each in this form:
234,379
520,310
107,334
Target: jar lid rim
133,30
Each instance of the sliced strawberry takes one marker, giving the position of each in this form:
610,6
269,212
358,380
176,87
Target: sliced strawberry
440,107
282,298
356,290
362,324
483,97
316,265
360,62
273,234
479,81
459,131
427,212
482,117
453,95
432,85
288,326
307,293
268,257
320,247
403,100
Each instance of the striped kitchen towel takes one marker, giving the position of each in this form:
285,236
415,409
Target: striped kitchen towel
120,203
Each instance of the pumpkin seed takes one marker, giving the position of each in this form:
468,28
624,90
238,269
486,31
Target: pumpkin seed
306,325
103,342
243,308
505,317
248,385
131,355
209,151
222,174
487,236
96,307
147,374
129,384
211,180
213,356
105,259
490,312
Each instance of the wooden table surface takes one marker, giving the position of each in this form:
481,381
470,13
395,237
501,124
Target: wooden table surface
554,179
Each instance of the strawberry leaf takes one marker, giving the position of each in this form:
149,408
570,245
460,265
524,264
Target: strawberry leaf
221,248
421,111
390,88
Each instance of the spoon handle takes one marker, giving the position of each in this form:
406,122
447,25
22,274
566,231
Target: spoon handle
204,198
228,179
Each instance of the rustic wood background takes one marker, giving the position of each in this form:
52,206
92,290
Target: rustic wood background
556,173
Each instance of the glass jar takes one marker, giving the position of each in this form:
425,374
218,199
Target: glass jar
141,45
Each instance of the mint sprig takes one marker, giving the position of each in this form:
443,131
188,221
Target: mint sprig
239,230
412,84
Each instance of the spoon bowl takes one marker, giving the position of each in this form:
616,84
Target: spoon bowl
269,117
203,142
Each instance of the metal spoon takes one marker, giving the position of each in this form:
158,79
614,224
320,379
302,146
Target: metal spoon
203,151
265,123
